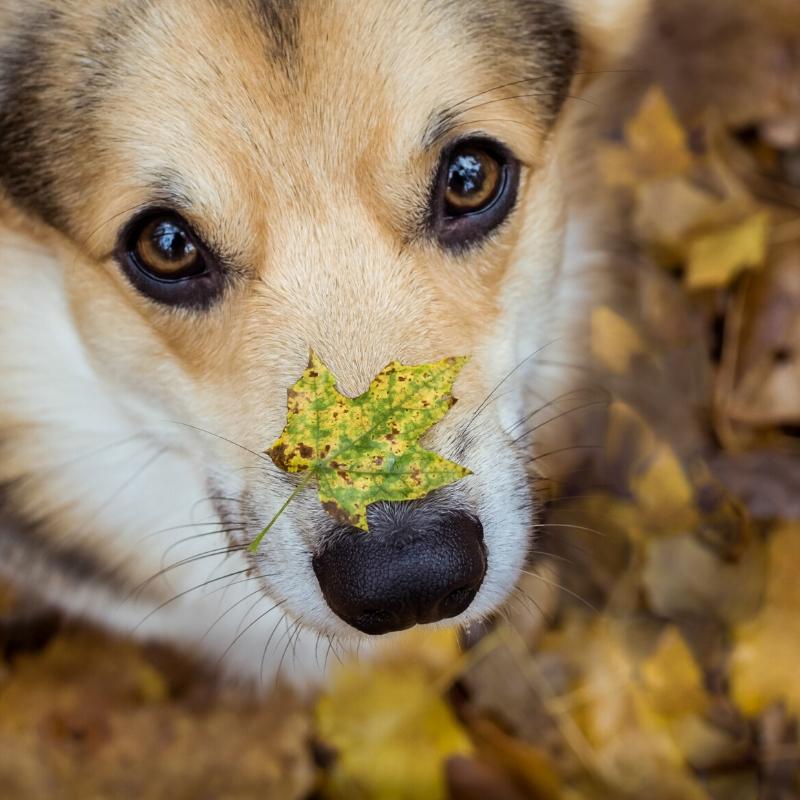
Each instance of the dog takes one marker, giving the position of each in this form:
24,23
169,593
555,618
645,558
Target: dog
195,194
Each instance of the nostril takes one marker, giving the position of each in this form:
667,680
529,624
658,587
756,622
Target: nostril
418,571
453,604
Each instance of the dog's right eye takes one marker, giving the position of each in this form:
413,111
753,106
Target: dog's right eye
166,260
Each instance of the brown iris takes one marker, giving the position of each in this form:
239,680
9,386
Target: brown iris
474,179
165,249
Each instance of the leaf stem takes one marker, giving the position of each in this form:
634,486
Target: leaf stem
299,488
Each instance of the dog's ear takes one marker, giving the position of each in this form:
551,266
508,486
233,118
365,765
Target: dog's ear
610,29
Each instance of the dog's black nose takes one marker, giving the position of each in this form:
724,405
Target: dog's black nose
403,572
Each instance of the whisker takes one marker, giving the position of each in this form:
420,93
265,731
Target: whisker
260,456
198,557
541,525
178,596
565,450
556,585
555,401
479,410
247,628
220,532
229,609
264,652
186,526
535,428
554,556
525,600
293,632
250,609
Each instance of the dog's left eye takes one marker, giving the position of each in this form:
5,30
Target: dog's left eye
167,261
474,191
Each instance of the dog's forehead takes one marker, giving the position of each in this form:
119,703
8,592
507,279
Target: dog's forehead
289,86
290,50
152,89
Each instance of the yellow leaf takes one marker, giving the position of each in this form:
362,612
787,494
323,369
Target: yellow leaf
663,491
717,258
392,733
655,146
672,681
764,664
615,341
633,748
656,133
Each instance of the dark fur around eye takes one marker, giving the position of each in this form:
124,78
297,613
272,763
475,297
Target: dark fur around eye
193,279
459,226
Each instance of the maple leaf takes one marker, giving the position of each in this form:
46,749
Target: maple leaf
366,449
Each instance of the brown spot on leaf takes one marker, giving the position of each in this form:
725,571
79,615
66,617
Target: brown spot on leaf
278,455
338,513
306,451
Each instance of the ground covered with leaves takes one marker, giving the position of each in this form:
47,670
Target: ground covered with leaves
654,649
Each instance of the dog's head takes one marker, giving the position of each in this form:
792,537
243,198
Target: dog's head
229,185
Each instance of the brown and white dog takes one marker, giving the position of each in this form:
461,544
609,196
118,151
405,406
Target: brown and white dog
194,194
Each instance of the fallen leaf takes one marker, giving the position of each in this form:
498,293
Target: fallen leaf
615,342
764,662
672,681
684,578
392,733
664,493
656,134
365,449
765,390
715,259
655,145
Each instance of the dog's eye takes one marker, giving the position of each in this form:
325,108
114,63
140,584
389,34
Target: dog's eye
166,250
166,260
475,190
473,178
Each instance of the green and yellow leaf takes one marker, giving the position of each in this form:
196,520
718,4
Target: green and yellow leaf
366,449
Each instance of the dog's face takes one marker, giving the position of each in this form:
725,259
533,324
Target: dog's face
236,184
